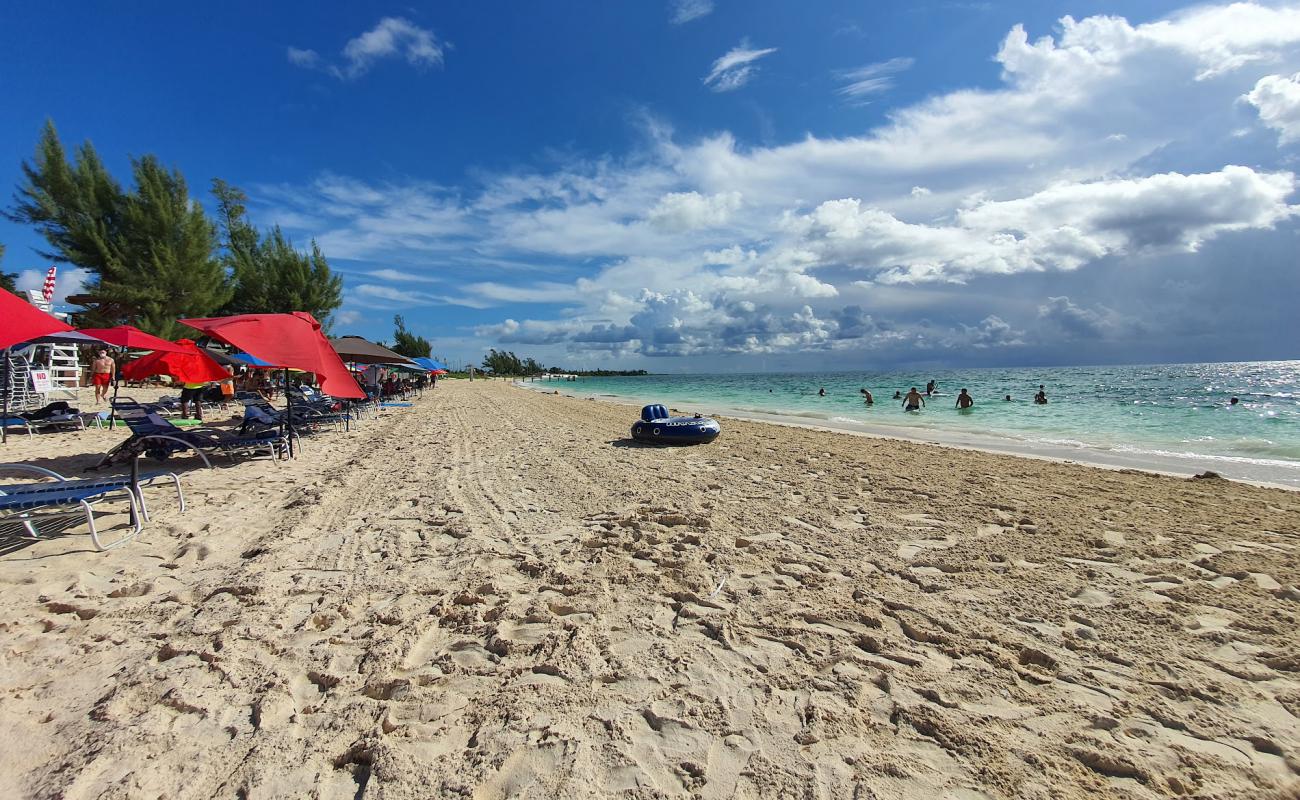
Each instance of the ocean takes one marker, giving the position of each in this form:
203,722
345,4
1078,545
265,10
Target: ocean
1171,417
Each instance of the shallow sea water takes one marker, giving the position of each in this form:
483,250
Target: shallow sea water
1165,411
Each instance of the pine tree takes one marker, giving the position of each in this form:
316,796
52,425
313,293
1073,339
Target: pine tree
150,252
407,343
269,274
172,270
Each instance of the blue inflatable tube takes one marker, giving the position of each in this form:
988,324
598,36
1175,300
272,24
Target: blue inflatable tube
659,428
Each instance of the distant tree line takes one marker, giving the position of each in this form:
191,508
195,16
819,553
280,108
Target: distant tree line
507,363
153,253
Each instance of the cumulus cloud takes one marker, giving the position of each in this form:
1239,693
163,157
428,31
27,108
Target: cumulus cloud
736,67
863,82
683,11
392,37
1109,147
1079,322
1062,227
691,210
68,281
992,331
1277,99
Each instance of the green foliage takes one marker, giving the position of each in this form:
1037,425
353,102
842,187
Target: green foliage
407,343
508,363
149,251
7,279
270,276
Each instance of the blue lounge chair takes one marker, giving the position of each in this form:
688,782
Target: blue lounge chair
153,436
24,505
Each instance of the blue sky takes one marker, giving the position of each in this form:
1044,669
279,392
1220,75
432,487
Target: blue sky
722,185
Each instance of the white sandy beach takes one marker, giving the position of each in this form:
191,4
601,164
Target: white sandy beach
495,594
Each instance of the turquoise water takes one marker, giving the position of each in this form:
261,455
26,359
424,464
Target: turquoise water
1170,411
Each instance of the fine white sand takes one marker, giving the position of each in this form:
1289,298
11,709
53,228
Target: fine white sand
495,594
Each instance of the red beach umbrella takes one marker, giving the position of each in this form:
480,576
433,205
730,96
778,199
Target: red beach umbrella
189,364
21,321
128,337
289,340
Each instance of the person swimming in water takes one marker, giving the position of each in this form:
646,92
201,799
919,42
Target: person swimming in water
821,392
964,401
913,401
1007,398
898,395
1233,401
1040,399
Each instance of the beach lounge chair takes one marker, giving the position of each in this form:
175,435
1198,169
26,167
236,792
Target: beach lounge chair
154,436
53,416
62,501
260,414
60,483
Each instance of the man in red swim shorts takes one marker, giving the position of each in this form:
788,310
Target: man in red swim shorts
101,375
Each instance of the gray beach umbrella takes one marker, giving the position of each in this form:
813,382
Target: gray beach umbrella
356,350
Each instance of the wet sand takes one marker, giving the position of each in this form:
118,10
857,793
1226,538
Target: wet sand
496,594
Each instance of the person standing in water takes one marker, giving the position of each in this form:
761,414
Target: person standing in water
964,401
821,392
930,388
1040,398
867,398
913,401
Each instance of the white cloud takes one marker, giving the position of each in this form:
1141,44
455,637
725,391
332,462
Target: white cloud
303,58
67,281
1277,99
400,276
691,210
1078,321
862,82
392,37
387,297
684,11
1109,146
543,292
736,67
347,317
1062,227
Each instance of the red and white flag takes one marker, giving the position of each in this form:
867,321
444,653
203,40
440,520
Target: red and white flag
48,290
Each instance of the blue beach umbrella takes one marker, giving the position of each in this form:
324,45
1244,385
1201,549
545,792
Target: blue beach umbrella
254,361
429,364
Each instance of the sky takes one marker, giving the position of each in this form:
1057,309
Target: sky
701,185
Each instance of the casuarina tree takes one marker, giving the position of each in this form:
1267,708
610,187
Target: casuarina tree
150,251
407,343
270,275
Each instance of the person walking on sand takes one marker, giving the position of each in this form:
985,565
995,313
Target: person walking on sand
964,401
101,375
913,401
